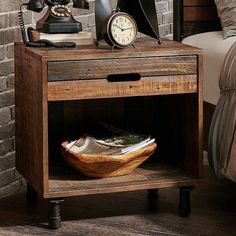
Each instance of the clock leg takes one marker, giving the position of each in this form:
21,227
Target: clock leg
54,220
184,200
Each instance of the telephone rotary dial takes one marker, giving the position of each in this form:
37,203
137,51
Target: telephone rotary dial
59,18
60,11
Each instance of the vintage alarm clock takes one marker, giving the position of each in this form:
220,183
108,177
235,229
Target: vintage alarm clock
119,30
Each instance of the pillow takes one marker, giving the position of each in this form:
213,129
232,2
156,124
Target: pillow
227,12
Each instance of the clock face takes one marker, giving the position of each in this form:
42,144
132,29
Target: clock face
123,29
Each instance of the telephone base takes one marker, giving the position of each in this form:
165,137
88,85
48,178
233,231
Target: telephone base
55,28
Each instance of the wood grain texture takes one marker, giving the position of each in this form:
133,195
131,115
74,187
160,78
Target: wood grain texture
206,13
129,213
103,166
194,16
144,47
155,175
190,3
29,118
194,115
190,21
47,111
199,113
100,69
84,89
172,120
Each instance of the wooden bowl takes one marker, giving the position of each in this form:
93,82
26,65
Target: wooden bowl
101,166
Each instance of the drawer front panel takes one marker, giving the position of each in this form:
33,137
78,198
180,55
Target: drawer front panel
85,89
100,69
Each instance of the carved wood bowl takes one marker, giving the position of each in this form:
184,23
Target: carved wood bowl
101,166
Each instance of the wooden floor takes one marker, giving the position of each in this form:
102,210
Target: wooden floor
130,213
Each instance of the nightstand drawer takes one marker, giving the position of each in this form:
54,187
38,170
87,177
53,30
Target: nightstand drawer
102,68
102,88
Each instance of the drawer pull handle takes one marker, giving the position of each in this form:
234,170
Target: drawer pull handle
123,77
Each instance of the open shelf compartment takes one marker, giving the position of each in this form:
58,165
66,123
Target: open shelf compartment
174,163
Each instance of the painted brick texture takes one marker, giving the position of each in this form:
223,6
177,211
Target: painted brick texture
10,180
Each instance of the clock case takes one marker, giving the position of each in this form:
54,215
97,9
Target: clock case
143,12
107,31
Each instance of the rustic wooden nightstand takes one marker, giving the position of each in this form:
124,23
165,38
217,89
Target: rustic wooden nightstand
154,89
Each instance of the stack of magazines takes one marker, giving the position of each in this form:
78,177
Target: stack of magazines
114,145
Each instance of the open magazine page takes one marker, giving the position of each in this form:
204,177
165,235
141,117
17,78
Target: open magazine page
108,146
124,140
134,147
88,145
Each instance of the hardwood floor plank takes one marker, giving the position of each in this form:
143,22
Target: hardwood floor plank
130,213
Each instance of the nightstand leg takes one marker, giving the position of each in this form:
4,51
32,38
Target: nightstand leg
31,194
54,221
184,200
153,191
152,203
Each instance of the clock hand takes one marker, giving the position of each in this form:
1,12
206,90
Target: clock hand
118,27
127,28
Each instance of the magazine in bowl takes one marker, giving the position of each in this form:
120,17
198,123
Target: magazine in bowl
99,159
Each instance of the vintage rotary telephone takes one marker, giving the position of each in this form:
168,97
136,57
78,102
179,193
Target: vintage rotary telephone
58,19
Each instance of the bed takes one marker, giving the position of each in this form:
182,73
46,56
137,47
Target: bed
196,23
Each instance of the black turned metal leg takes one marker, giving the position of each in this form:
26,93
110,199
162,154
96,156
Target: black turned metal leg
184,200
152,203
31,194
54,221
153,191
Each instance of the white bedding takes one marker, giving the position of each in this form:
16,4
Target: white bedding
215,48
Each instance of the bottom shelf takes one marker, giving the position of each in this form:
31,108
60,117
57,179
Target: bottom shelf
65,183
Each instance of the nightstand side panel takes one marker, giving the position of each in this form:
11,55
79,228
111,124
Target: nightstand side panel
29,117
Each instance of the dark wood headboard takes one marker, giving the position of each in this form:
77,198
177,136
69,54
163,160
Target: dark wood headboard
194,16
